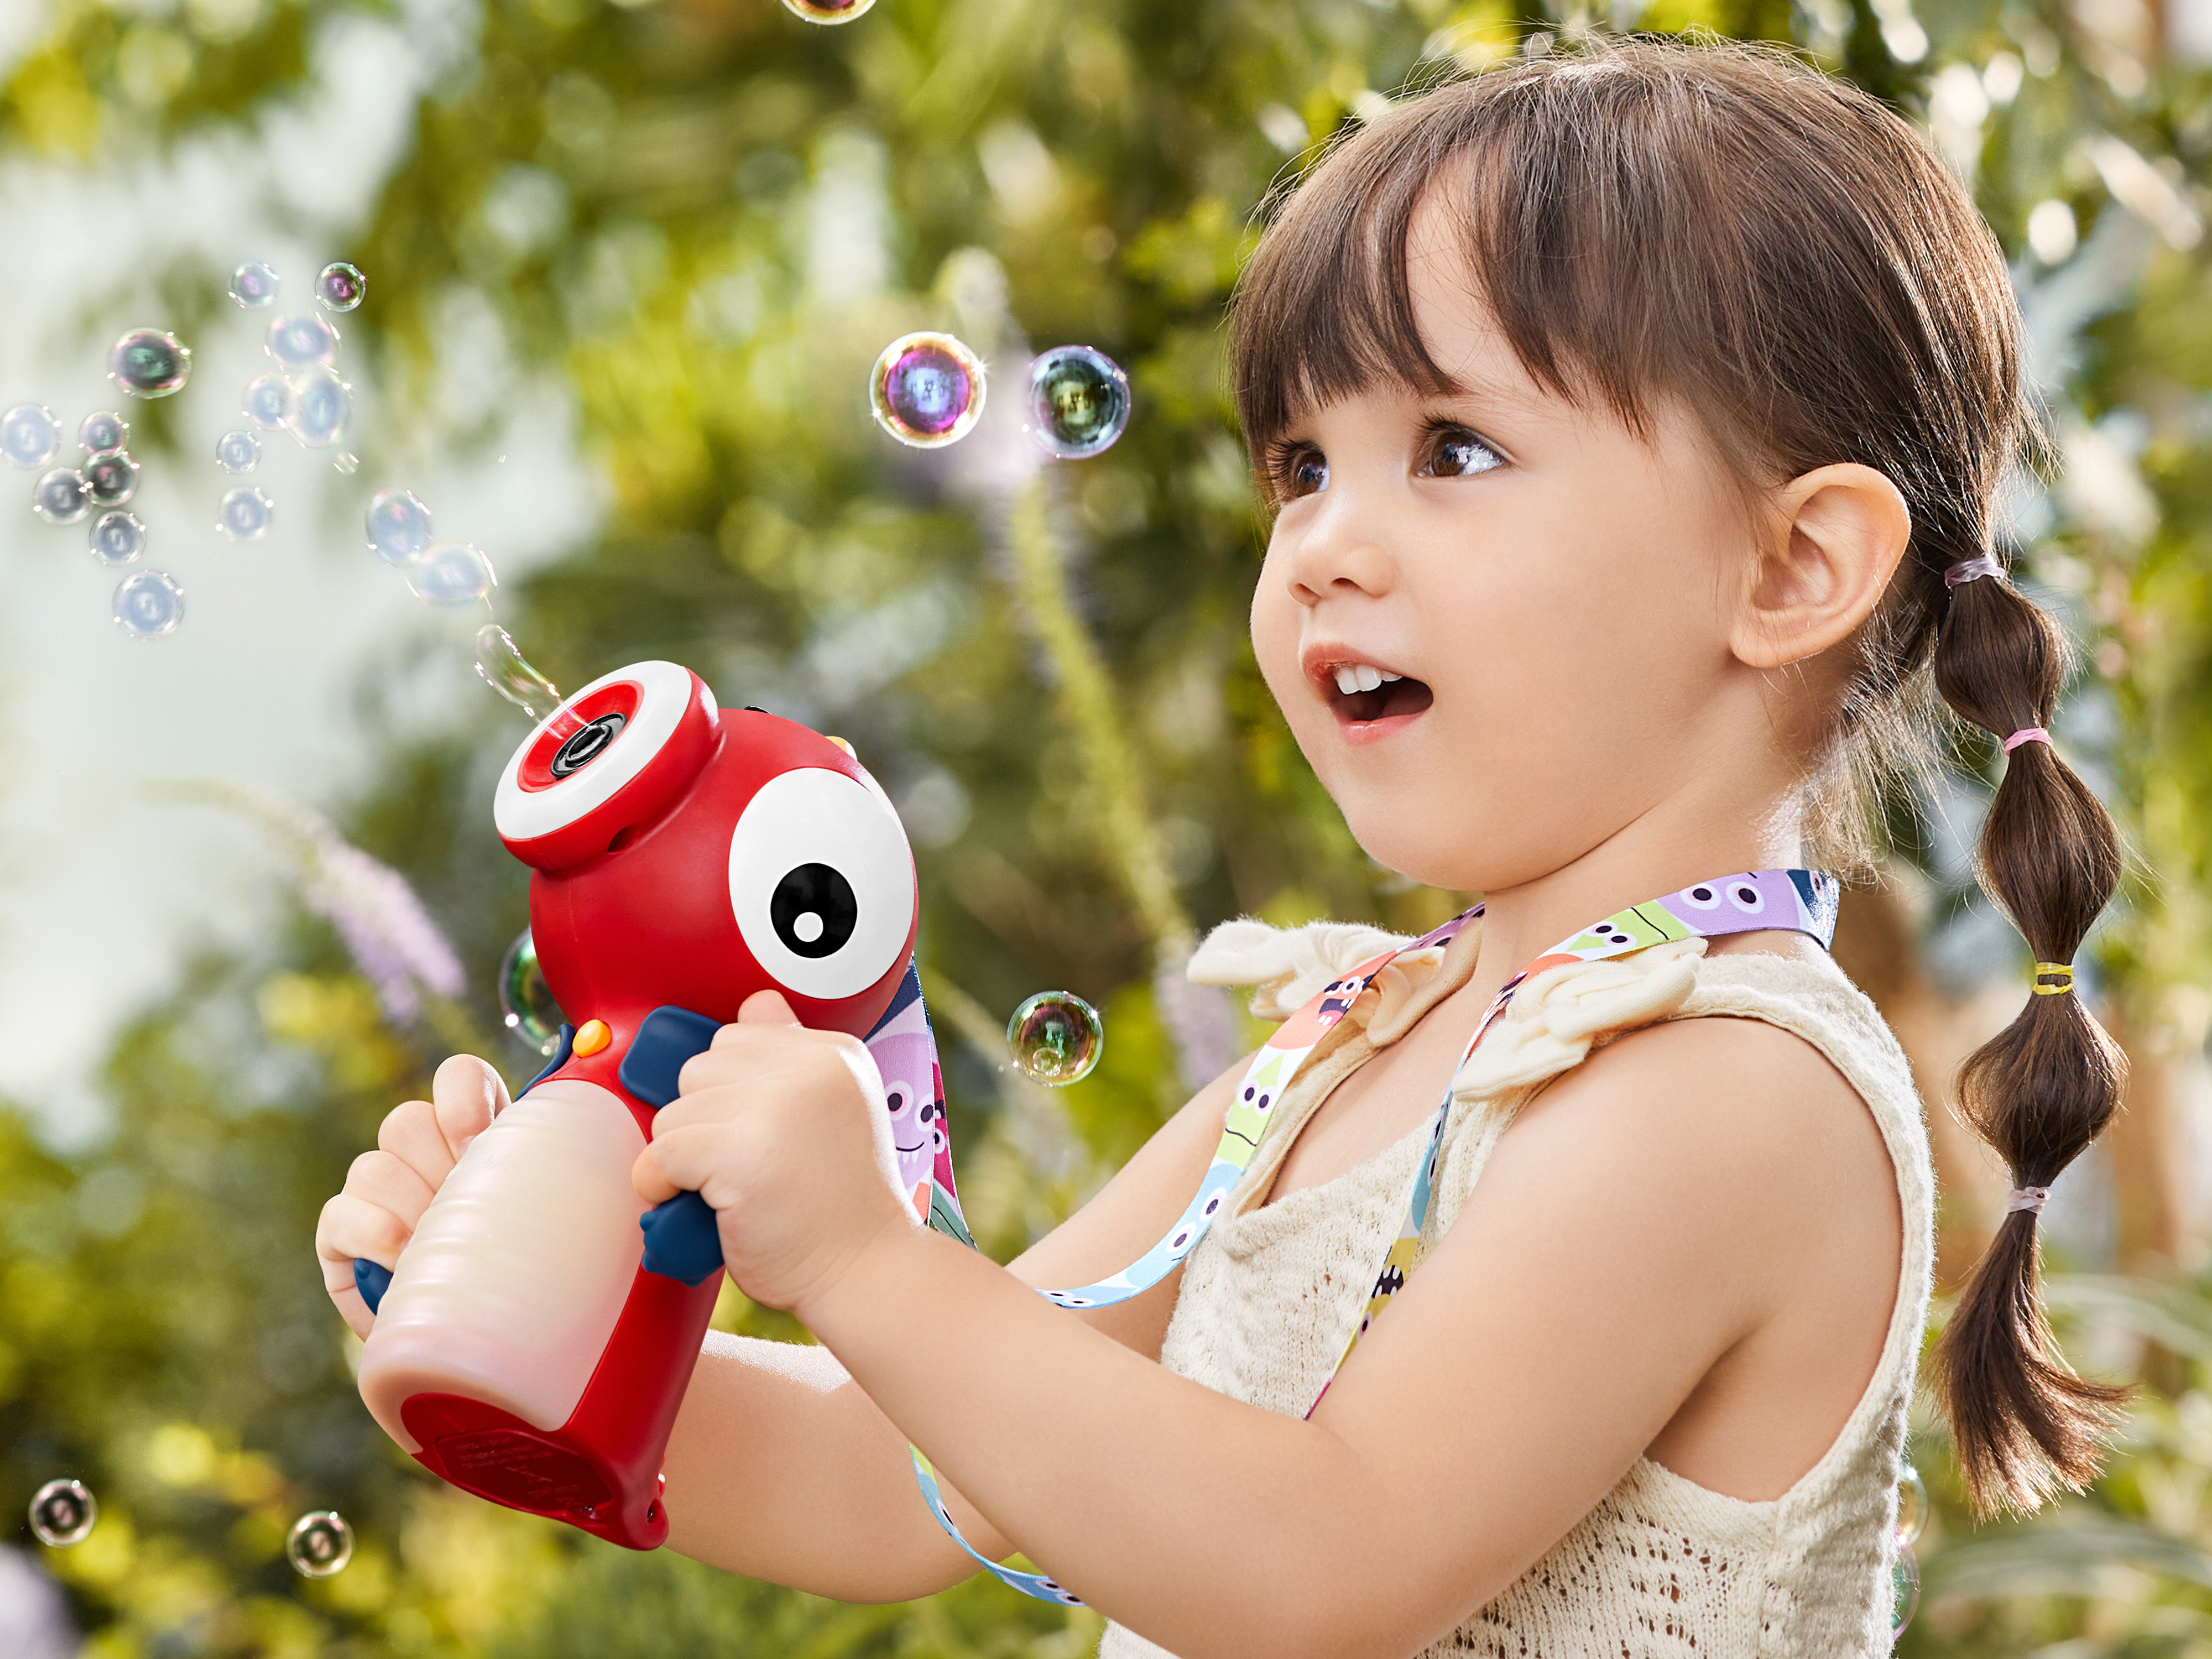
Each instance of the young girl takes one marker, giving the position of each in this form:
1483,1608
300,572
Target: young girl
1632,422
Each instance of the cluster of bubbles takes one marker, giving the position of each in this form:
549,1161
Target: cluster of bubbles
526,1001
1056,1038
1912,1516
149,604
927,391
402,533
303,396
62,1513
319,1544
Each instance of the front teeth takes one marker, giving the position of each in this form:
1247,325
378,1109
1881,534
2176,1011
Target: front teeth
1355,677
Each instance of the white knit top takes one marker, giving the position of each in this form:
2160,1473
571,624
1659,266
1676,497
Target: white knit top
1662,1567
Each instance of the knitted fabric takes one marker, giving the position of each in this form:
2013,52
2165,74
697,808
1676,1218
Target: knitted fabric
1662,1568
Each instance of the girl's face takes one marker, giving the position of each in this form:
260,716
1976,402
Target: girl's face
1499,623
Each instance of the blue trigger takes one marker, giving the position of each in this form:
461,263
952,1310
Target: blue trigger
665,1038
371,1280
682,1240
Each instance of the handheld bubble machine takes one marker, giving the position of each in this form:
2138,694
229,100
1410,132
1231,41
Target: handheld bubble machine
536,1339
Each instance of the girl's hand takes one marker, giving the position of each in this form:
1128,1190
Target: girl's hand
387,1190
782,1130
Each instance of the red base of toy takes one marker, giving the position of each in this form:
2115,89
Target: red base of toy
600,1470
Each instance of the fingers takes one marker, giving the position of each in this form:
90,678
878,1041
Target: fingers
390,1184
468,1094
648,1180
766,1008
352,1308
350,1226
410,1134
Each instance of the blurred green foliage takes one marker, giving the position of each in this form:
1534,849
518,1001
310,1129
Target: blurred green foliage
699,220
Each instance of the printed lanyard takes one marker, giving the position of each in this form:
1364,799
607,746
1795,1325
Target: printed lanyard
1795,901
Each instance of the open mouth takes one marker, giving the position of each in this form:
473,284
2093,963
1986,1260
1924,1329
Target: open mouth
1361,694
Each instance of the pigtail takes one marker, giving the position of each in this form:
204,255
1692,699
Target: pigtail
2022,1422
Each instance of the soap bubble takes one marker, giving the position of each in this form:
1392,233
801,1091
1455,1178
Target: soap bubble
399,527
452,573
301,340
1079,401
507,671
346,462
325,406
244,514
827,11
149,604
320,1544
254,286
117,538
270,402
62,1512
148,363
527,999
1912,1504
340,286
111,480
1904,1589
60,496
29,434
237,451
927,389
104,434
1056,1038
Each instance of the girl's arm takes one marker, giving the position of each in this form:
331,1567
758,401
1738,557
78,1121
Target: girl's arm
1645,1215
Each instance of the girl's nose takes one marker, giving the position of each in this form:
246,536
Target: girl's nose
1338,552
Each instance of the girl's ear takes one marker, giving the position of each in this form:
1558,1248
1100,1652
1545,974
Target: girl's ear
1835,536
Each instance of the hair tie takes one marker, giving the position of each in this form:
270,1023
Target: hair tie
2030,1198
2025,734
2062,972
1966,570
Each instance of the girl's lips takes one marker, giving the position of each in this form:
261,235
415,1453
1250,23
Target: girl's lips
1370,716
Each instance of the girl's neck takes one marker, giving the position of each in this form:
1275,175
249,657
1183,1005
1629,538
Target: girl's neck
1643,860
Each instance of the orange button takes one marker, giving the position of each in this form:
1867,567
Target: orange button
593,1037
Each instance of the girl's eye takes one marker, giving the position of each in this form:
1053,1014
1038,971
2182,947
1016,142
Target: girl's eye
1299,470
1456,452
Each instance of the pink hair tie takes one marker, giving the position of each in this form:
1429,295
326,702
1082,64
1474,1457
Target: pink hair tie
2025,734
1966,570
2030,1198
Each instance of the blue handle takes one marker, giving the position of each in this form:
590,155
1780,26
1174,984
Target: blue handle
371,1280
681,1239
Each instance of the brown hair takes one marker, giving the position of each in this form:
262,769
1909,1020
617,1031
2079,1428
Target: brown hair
1724,227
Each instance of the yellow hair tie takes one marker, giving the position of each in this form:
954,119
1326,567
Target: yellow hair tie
2060,971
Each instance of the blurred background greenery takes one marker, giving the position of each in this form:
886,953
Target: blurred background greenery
693,223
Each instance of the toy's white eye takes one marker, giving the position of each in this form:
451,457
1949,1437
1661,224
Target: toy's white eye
608,759
1706,896
821,883
1745,897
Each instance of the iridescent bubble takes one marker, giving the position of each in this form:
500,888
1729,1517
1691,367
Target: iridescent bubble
452,573
1079,401
244,514
1056,1038
340,287
507,671
237,451
149,604
1912,1504
29,434
399,527
270,402
253,285
60,496
320,1544
148,363
827,11
927,389
527,1000
117,538
62,1513
104,434
111,480
346,462
325,406
1904,1589
301,340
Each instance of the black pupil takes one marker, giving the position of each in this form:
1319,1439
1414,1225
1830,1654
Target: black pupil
813,910
586,746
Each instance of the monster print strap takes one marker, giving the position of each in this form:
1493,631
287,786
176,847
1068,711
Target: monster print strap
1795,901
